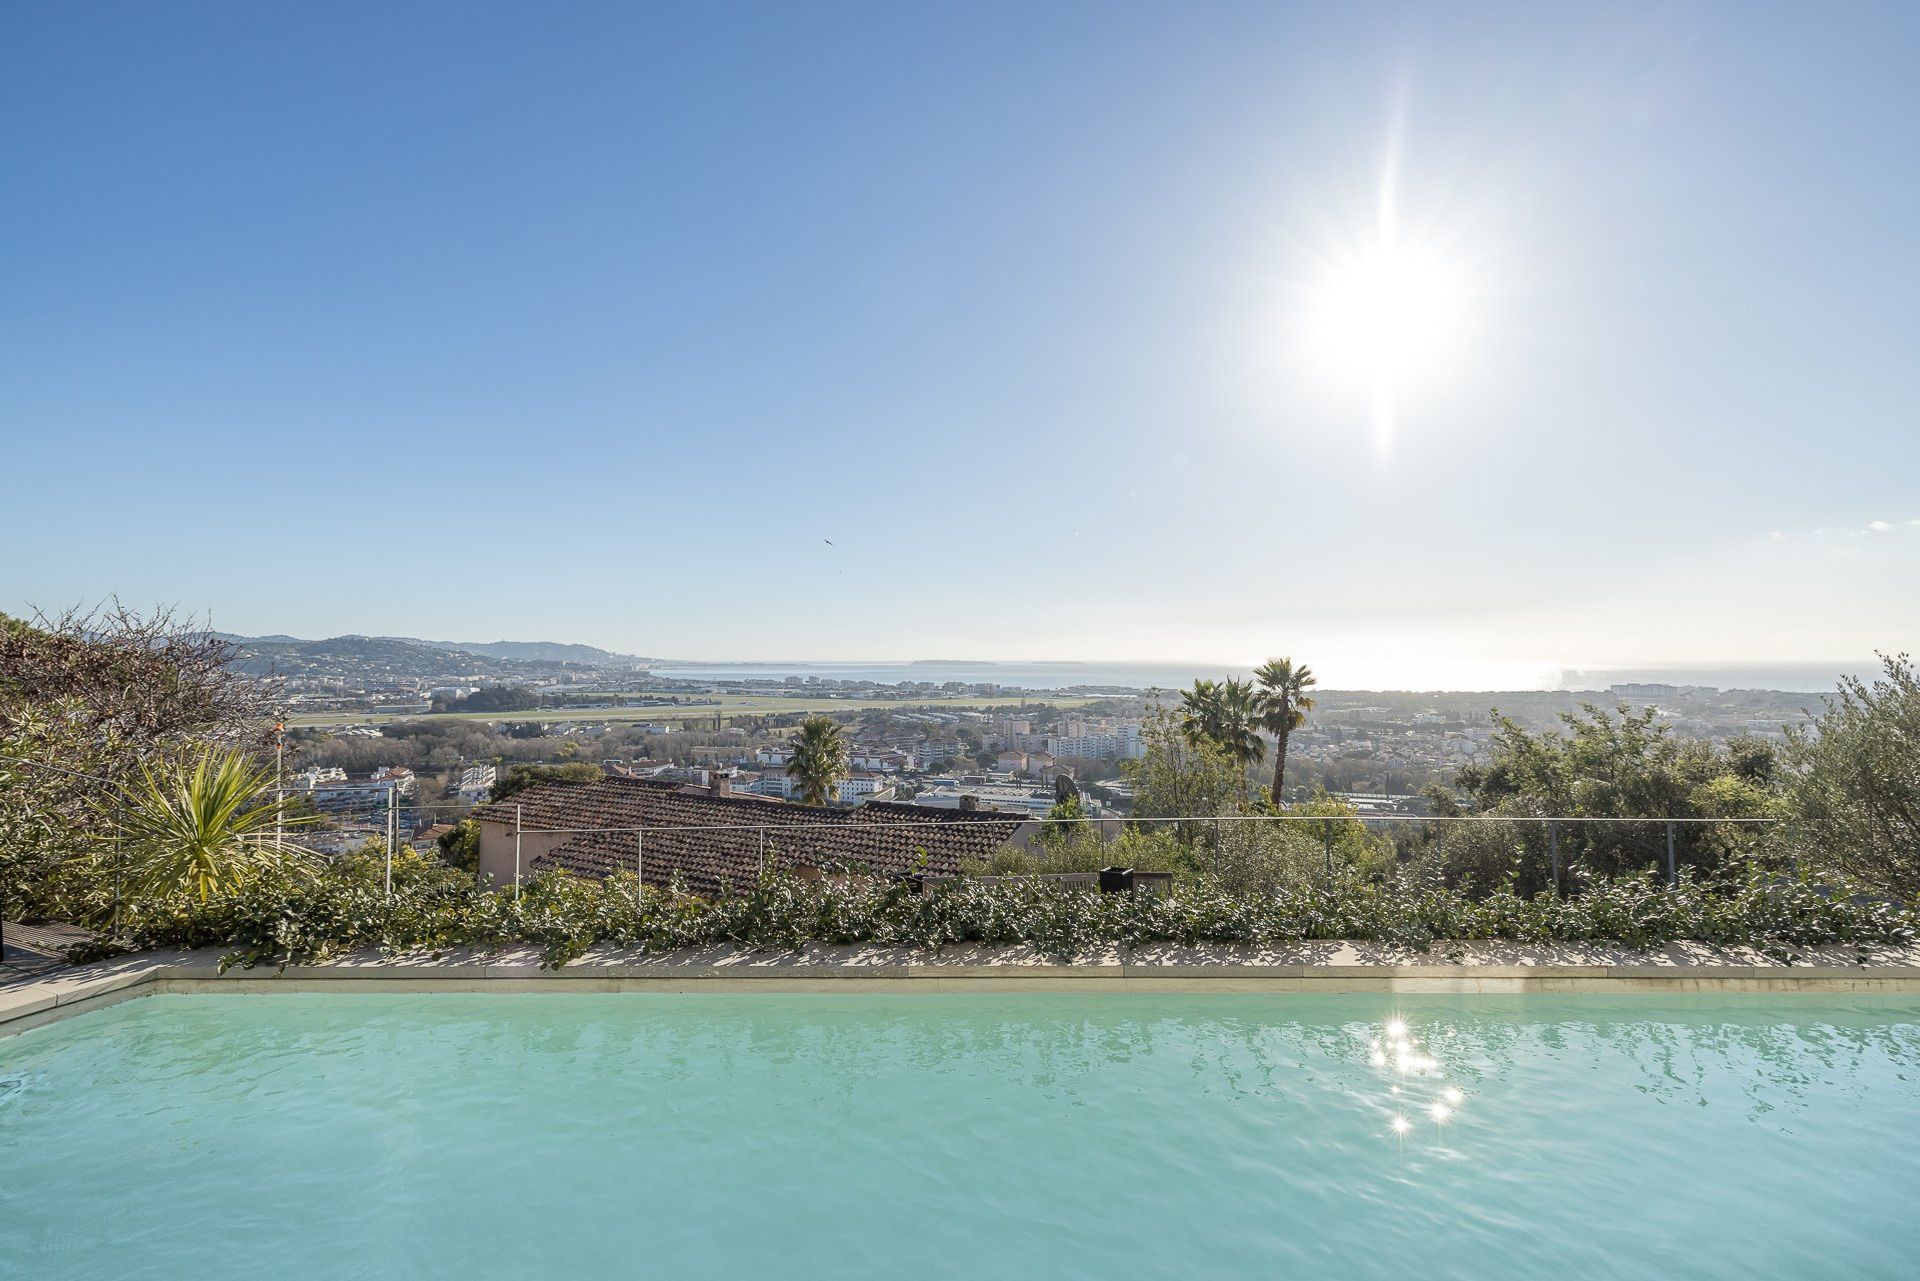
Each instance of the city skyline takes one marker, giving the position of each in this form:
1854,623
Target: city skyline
1492,340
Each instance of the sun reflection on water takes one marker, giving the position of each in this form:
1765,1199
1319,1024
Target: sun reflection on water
1399,1052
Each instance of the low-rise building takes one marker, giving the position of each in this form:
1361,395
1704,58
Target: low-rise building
711,843
476,782
331,790
1009,798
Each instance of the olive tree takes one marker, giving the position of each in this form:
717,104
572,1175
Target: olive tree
1853,782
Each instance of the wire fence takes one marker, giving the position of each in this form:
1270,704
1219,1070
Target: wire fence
753,844
835,838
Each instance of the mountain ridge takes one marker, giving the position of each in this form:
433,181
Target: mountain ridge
256,650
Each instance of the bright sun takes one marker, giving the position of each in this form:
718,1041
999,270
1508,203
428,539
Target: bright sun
1387,317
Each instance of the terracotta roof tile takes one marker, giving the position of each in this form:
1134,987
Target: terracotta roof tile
880,837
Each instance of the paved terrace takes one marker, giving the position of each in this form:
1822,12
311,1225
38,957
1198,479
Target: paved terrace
28,1000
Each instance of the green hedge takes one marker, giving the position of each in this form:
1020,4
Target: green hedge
343,907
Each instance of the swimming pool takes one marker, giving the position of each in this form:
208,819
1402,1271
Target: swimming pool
980,1136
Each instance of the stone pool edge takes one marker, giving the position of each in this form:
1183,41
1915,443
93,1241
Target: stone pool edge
1308,967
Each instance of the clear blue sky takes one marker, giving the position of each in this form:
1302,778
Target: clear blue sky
591,322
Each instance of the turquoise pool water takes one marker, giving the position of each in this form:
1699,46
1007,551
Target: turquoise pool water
323,1136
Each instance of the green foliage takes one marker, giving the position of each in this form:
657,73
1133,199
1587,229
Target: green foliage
1256,856
496,698
1225,716
819,759
1343,833
1853,789
1283,704
280,918
198,826
521,777
460,846
46,813
1181,776
1604,766
87,700
1066,816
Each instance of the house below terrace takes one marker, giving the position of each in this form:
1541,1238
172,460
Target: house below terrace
711,839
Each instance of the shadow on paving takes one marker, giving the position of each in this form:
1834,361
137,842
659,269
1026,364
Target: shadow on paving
34,951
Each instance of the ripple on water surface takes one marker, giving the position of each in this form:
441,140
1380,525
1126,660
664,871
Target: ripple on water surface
979,1136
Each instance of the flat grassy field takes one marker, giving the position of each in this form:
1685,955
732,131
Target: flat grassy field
728,705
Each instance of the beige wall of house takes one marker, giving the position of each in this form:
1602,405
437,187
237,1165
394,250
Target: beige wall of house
496,851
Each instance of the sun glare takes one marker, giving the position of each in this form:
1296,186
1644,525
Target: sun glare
1389,314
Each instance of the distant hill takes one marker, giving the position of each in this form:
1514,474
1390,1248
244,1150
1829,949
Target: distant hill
407,655
534,651
344,656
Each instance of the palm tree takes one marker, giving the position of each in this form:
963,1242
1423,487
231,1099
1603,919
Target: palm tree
203,824
1237,729
1284,704
1200,712
819,759
1225,715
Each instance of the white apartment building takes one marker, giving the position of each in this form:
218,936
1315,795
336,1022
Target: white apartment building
1012,799
1121,743
860,784
856,786
774,783
476,781
331,789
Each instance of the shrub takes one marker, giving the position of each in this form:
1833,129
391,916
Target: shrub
344,908
1853,790
1609,766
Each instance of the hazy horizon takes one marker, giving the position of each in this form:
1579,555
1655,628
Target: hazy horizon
1406,674
1035,674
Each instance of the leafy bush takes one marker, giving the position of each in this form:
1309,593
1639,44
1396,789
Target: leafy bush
89,701
1611,766
343,907
521,777
1853,789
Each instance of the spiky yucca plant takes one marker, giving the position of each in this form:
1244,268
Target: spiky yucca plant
202,824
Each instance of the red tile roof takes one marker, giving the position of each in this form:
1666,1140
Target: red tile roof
680,836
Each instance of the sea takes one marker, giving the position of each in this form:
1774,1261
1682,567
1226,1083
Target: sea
1413,674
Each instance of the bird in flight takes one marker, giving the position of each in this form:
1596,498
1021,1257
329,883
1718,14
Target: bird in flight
827,541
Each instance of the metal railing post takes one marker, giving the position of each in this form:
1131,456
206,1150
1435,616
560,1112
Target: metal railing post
1673,866
639,867
393,837
516,852
1553,852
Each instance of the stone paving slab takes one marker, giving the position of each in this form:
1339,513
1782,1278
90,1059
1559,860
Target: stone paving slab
1162,967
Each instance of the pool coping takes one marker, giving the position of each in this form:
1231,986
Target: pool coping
1477,967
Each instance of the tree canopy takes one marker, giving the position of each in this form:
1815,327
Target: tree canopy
1620,765
1853,782
89,700
521,777
819,759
